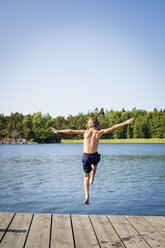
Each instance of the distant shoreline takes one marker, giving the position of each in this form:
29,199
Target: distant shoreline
112,141
80,141
16,141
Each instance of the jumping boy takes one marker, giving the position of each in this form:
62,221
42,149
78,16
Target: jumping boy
91,157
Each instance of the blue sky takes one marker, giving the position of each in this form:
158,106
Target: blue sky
65,57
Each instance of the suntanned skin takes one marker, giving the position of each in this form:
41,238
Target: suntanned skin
91,141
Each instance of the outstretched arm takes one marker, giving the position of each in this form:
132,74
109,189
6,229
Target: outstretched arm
115,127
68,131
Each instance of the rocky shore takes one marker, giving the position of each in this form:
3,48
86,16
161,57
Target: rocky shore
15,141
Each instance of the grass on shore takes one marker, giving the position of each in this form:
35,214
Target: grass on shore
108,141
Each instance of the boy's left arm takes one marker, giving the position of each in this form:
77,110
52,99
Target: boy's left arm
68,131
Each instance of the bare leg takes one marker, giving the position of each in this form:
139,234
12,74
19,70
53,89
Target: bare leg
86,187
94,168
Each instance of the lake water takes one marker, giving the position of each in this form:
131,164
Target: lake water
48,178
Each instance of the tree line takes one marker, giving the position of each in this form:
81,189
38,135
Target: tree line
36,127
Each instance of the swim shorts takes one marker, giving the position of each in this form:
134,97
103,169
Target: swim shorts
89,159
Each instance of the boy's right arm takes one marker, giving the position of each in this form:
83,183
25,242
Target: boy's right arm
68,131
115,127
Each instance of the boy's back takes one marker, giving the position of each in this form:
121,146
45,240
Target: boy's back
91,140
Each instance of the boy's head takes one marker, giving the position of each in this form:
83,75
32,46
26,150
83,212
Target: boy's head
93,122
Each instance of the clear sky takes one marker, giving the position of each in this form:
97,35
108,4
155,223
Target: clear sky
69,56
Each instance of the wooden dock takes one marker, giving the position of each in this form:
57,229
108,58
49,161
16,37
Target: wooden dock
27,230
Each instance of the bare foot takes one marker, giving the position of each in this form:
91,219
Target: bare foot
86,200
91,180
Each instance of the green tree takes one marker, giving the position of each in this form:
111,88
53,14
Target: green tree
3,126
101,112
157,125
37,126
141,127
27,127
3,122
14,125
47,135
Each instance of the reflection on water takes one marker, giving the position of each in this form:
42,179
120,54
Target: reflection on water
49,178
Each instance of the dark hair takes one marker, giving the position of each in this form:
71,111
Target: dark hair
95,122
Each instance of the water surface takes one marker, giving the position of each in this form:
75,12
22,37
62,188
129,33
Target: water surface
48,178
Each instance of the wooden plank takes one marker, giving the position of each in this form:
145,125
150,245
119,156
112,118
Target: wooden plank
105,233
61,235
83,232
148,232
17,232
5,219
39,232
158,222
130,237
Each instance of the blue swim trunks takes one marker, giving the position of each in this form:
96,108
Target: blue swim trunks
89,159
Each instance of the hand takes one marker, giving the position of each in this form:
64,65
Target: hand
130,121
54,130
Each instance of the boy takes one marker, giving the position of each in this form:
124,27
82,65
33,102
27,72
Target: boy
91,157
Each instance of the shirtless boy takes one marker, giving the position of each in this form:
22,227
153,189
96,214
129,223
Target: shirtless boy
91,157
